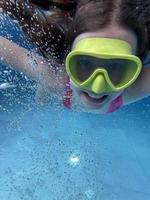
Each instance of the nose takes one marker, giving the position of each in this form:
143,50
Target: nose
99,84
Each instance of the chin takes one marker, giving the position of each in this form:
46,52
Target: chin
97,105
91,105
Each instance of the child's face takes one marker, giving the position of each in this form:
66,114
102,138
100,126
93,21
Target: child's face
100,102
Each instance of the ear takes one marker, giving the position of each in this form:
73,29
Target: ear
43,96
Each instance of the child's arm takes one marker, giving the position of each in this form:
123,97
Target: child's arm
32,65
138,90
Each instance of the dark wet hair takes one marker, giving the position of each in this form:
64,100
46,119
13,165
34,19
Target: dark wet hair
54,24
92,15
45,22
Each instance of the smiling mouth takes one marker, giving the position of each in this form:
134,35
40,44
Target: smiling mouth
95,100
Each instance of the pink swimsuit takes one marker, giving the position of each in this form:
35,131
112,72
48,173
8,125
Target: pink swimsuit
114,105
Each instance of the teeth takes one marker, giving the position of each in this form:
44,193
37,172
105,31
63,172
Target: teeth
96,97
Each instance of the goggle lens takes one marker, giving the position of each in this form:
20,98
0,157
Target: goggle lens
118,70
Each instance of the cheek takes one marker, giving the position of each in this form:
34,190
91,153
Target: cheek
115,95
75,89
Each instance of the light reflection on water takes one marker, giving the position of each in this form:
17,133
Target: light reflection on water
74,160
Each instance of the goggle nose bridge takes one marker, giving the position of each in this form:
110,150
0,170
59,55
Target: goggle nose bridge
100,71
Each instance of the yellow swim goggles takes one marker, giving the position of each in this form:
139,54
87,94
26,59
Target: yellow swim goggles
102,65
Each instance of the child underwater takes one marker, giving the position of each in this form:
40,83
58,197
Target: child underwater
93,56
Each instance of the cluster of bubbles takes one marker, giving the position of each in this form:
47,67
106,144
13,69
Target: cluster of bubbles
15,88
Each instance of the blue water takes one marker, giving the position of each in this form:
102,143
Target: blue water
50,153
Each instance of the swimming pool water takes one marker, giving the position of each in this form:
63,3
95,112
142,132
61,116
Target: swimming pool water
50,153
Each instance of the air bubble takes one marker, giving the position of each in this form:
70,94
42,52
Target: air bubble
90,194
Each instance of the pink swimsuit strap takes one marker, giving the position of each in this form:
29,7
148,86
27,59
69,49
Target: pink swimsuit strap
67,98
115,104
